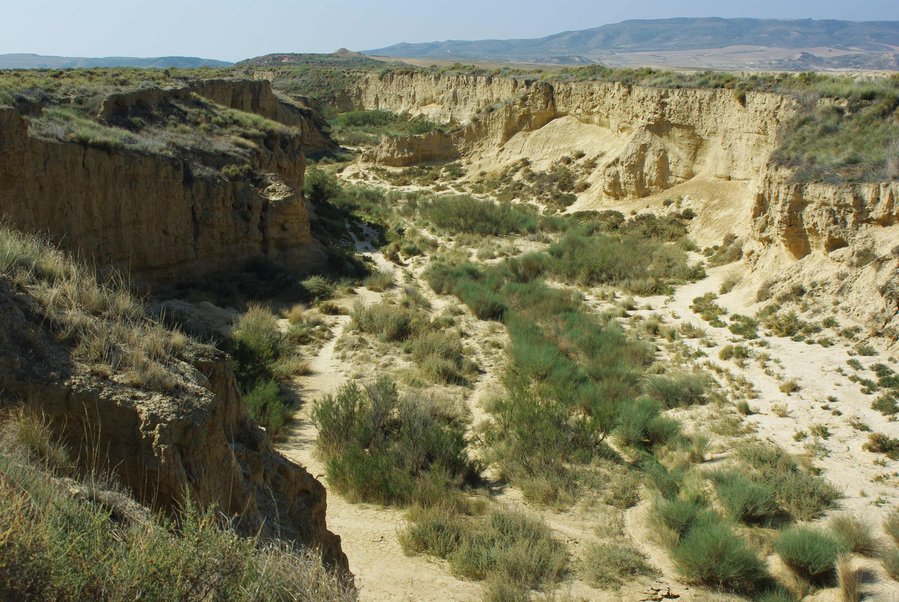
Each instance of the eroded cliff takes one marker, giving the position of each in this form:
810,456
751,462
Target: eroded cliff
713,147
166,216
178,430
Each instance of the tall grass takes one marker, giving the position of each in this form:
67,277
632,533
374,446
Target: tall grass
69,540
95,316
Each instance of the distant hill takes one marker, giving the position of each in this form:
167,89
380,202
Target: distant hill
340,58
37,61
762,43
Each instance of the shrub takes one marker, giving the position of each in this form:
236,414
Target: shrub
878,443
640,424
679,390
713,555
457,214
513,546
436,530
440,356
802,495
379,280
610,564
389,322
855,534
744,499
677,515
318,288
381,448
789,386
260,355
812,553
710,311
267,407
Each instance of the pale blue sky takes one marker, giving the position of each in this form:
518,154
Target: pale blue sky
233,30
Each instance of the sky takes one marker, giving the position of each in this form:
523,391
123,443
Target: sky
232,30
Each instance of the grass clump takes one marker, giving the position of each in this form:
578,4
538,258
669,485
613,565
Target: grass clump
56,544
382,448
890,561
513,545
440,356
679,390
744,499
389,322
811,553
379,280
708,310
501,545
802,495
641,424
643,266
713,555
855,534
878,443
609,564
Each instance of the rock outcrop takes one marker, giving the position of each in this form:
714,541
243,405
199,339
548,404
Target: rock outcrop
193,441
159,217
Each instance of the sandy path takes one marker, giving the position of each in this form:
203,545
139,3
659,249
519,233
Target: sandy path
369,533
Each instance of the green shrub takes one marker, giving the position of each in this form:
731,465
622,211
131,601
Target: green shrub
679,390
710,311
744,500
381,448
677,515
436,530
513,546
458,214
389,322
440,356
640,424
610,564
713,555
261,353
318,288
812,553
802,495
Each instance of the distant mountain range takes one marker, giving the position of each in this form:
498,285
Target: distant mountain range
687,42
37,61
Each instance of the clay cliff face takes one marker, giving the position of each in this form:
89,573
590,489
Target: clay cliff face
662,137
647,141
152,215
195,440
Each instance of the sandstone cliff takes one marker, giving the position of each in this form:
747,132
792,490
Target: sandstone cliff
165,217
194,439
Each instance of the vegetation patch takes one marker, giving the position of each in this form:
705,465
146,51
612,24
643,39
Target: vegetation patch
383,448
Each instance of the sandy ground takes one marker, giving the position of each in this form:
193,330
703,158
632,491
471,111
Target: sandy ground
370,533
